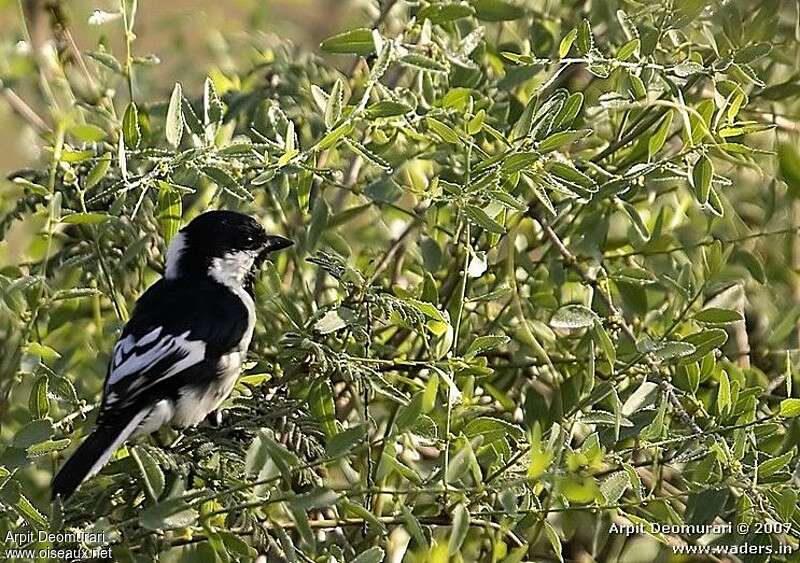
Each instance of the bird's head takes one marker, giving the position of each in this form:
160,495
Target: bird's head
226,245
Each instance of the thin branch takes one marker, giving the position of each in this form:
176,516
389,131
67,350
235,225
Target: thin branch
666,387
21,108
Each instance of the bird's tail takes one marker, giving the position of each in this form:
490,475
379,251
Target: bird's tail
93,454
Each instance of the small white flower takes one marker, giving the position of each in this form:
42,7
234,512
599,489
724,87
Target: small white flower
100,17
477,264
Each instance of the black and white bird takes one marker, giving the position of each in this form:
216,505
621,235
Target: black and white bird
180,353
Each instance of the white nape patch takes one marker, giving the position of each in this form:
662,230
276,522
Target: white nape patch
195,351
231,269
174,252
121,437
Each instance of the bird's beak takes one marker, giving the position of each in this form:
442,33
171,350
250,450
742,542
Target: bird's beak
274,242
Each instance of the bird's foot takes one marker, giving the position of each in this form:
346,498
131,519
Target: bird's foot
214,419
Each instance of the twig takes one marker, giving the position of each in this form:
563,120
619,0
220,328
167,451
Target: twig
393,248
21,108
666,387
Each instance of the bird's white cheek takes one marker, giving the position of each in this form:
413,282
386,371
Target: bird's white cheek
232,268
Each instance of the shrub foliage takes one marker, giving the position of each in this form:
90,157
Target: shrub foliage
542,283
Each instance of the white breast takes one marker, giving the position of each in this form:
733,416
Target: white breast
194,405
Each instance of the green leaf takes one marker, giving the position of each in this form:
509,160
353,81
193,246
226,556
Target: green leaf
634,276
614,486
12,495
555,541
772,466
361,512
371,555
492,429
687,68
572,317
423,62
74,156
743,128
332,138
573,177
237,546
151,474
723,392
705,341
605,343
333,109
174,123
345,440
670,349
333,320
485,343
658,139
98,171
168,515
568,113
33,433
368,155
441,13
131,133
85,218
320,402
38,401
190,119
475,124
628,49
46,447
702,173
752,53
753,264
43,351
408,414
427,309
87,132
458,533
388,108
566,43
585,38
225,182
413,526
168,210
556,140
480,218
790,408
106,59
497,10
356,41
517,162
444,131
636,220
716,316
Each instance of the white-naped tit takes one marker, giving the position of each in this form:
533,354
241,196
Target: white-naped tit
180,353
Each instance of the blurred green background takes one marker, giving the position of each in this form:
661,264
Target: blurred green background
172,29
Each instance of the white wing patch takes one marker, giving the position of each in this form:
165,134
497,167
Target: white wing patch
132,356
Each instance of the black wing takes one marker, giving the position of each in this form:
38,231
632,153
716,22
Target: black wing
178,330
